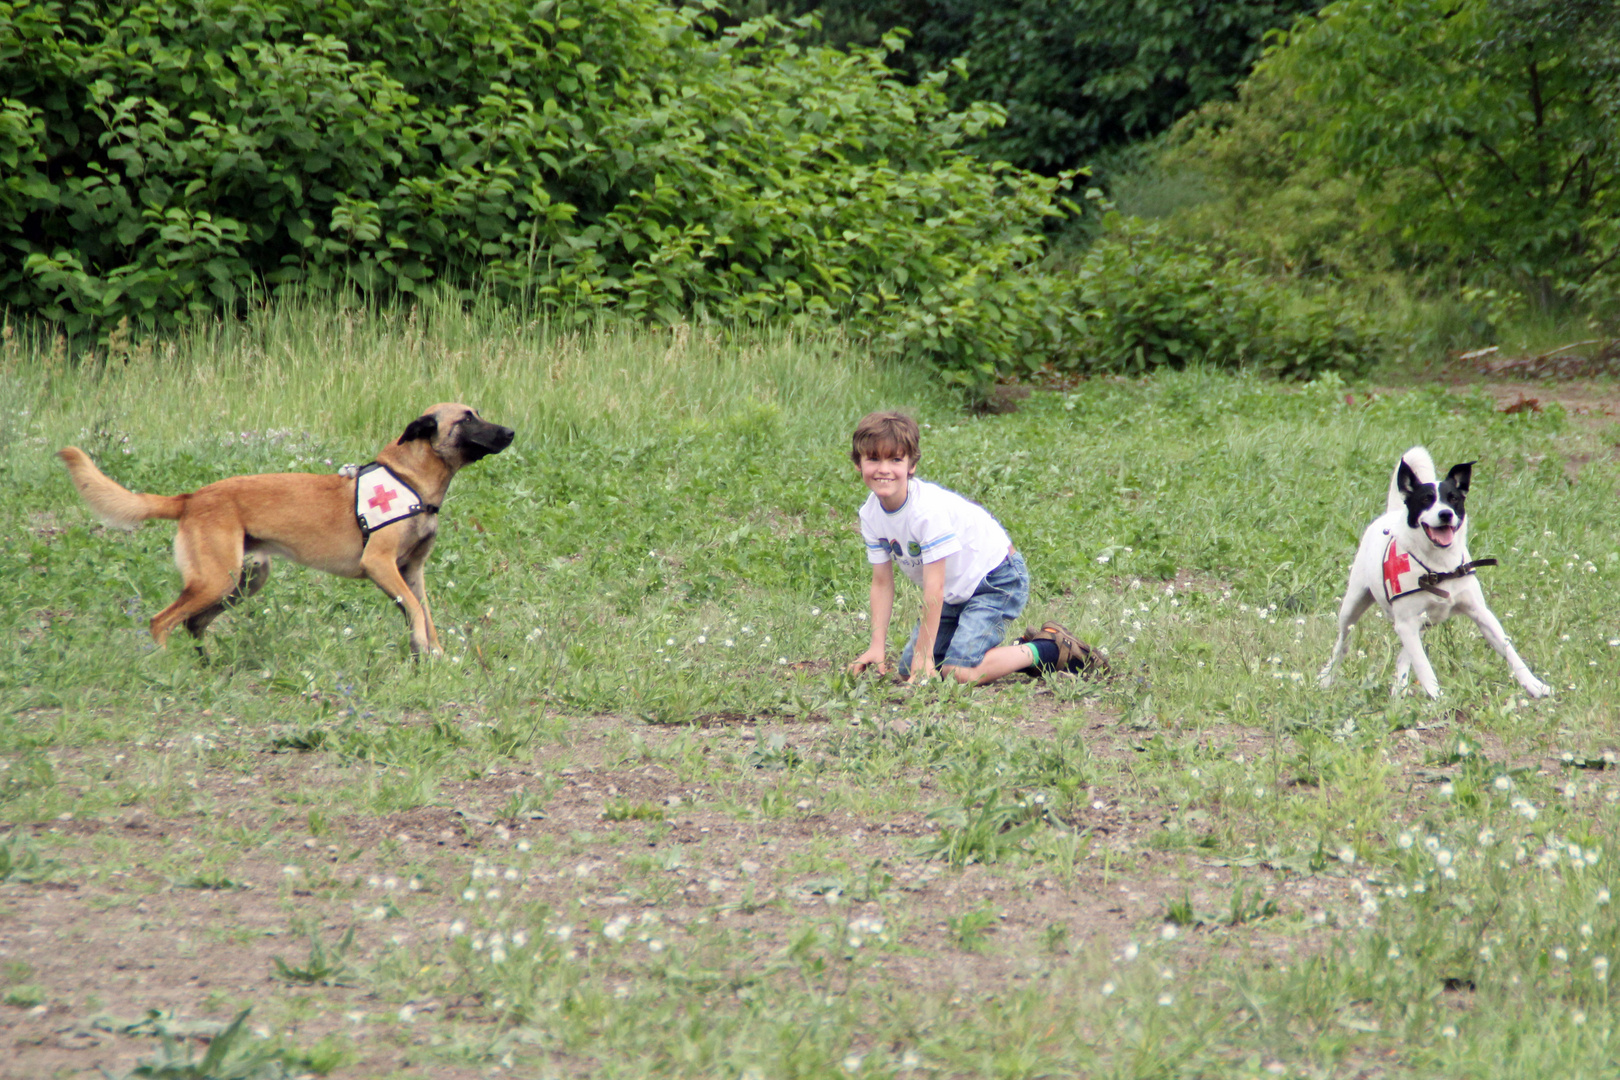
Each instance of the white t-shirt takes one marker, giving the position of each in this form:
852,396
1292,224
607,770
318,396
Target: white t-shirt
935,524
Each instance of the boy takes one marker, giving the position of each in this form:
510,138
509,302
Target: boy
973,581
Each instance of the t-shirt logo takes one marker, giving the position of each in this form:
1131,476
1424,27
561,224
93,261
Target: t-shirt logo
915,548
894,548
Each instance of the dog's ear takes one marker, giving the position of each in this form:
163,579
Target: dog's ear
1406,480
423,427
1460,475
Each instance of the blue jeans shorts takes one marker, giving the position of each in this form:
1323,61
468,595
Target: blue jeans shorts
970,629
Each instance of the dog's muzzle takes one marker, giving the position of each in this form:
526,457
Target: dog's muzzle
480,439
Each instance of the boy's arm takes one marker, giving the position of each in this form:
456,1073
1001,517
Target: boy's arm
933,590
882,604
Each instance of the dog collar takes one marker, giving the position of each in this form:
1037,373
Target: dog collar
1401,578
382,498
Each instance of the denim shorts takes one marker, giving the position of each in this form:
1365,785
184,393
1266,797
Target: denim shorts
972,628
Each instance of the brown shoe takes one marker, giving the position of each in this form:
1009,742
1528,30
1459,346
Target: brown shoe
1073,654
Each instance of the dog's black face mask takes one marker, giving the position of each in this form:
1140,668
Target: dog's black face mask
1437,508
478,438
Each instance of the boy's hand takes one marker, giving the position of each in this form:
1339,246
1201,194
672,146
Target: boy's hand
869,658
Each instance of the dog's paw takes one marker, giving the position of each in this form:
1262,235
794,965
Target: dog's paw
1536,688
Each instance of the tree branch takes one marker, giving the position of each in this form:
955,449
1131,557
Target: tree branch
1569,175
1513,174
1539,110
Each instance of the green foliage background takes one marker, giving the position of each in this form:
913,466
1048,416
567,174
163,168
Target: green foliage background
1467,147
166,160
163,163
1076,77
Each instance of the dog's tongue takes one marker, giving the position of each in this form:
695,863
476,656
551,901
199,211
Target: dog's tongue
1442,535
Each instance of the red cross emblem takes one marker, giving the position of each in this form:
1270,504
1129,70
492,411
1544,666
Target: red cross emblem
382,499
1395,564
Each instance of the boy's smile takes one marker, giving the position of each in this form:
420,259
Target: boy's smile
888,478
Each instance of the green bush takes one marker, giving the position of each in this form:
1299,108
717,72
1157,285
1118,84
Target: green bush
167,161
164,161
1153,300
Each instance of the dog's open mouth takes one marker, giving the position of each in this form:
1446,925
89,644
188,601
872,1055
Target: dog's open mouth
1441,535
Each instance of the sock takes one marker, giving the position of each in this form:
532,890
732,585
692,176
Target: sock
1044,655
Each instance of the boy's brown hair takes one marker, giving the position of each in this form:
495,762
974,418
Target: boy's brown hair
882,434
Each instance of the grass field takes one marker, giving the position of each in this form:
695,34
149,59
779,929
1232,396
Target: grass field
638,822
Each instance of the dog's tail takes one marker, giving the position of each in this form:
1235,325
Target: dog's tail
112,502
1422,465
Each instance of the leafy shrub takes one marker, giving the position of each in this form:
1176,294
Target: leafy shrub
1152,300
165,160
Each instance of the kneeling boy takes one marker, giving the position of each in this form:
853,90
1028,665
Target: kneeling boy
973,581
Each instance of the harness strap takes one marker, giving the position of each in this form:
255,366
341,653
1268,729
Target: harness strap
1430,582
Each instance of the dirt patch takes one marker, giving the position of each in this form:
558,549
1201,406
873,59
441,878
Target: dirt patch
1593,359
1593,402
1579,378
106,940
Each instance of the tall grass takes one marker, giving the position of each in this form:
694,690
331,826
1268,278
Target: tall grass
353,374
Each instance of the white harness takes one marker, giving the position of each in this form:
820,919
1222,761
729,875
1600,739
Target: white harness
1401,572
1405,573
382,498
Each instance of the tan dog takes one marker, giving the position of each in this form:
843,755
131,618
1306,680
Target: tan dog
229,529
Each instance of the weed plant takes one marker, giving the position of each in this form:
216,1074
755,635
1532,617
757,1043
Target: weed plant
670,540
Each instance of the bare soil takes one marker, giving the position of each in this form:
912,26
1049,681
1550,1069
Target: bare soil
107,947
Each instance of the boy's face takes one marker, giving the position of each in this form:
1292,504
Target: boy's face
885,472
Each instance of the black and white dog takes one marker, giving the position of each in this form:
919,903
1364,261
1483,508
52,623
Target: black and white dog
1413,561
